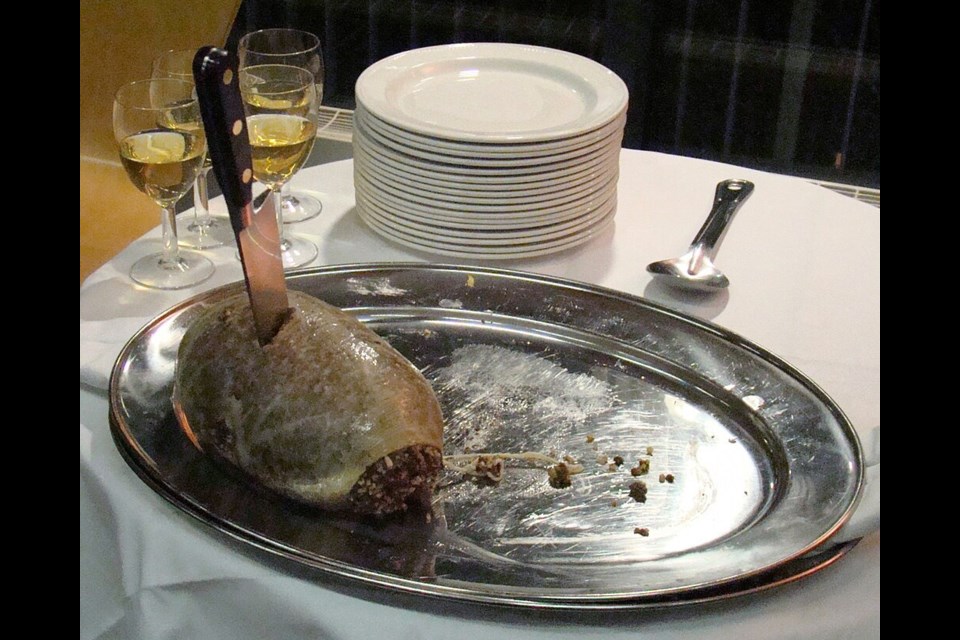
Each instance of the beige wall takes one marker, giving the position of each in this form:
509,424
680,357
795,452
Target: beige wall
118,41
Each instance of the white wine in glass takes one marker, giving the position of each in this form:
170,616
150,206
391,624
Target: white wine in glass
296,48
162,148
205,232
280,103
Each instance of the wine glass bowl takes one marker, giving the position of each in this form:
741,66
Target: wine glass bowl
280,103
291,47
162,147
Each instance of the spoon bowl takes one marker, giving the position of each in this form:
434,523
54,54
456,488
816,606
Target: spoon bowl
694,270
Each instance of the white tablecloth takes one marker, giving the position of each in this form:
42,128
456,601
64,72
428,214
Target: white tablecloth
804,265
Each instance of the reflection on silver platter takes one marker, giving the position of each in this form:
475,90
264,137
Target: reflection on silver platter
752,468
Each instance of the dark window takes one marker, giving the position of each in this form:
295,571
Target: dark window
792,87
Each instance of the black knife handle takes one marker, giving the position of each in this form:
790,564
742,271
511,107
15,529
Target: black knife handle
218,91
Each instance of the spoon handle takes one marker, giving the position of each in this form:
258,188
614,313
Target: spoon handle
729,196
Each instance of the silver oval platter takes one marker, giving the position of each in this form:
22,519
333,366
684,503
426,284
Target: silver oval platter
710,467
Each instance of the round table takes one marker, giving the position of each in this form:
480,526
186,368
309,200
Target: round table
804,266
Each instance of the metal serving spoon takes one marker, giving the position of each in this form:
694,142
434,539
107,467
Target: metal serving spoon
695,269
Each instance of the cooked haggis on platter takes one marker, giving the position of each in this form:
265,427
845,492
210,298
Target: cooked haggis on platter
328,413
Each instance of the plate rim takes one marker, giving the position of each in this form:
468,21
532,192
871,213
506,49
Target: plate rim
611,88
472,183
448,236
455,192
566,167
489,149
581,200
483,159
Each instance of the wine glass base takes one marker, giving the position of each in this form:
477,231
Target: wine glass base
207,235
298,207
190,269
297,252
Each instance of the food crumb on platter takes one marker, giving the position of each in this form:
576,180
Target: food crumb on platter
559,475
490,466
638,491
642,468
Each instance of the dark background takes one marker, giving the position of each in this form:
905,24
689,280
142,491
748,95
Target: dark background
791,87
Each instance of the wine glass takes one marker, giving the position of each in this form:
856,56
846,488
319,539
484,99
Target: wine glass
280,103
205,232
298,49
162,146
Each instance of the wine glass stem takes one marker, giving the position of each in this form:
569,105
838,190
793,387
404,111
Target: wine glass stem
278,202
201,201
171,252
286,195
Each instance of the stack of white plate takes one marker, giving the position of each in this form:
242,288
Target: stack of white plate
488,150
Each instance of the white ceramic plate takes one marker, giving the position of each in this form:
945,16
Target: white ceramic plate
520,160
478,186
475,175
492,92
456,167
453,238
434,184
490,237
563,200
512,252
500,222
531,216
485,220
486,150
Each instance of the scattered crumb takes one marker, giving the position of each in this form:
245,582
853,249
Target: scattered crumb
602,459
618,460
669,478
663,478
643,531
649,451
590,438
613,503
642,468
732,440
611,467
490,467
559,475
470,280
638,491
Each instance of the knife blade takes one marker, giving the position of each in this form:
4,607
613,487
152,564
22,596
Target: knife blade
256,229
